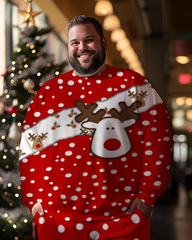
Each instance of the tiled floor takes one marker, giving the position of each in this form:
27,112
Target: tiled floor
172,219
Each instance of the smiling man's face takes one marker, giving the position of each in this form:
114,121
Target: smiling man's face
86,51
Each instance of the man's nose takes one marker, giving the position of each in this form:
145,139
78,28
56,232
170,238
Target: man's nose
82,46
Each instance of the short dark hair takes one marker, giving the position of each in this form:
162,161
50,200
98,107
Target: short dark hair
83,19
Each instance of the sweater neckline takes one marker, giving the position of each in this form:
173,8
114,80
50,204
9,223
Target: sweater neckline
97,76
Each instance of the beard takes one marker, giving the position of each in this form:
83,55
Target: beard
97,62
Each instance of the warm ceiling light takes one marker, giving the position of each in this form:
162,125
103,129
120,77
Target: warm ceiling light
117,34
111,22
189,115
103,8
139,70
123,44
180,101
135,65
188,101
178,122
182,59
132,58
179,113
125,53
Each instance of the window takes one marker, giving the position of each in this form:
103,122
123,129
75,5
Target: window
180,148
2,44
182,113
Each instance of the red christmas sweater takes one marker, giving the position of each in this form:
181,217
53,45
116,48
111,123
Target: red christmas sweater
91,145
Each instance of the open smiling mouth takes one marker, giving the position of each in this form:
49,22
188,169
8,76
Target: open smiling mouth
84,55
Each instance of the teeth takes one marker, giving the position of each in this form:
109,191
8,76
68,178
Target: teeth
84,55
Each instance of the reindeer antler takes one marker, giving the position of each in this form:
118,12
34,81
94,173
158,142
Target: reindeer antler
32,137
143,94
126,112
87,112
43,136
131,94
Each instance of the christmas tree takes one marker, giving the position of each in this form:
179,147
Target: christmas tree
29,68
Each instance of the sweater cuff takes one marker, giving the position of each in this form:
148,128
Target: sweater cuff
147,198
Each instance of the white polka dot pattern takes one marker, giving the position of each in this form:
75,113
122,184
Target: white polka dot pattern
94,235
61,229
72,176
135,218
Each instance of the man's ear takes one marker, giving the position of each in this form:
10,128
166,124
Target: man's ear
105,44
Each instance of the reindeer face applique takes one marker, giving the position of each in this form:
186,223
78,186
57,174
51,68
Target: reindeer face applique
110,139
37,141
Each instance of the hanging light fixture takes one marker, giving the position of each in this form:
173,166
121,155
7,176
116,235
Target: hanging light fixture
123,44
126,52
103,8
189,114
178,122
179,113
188,101
117,34
135,65
139,70
182,59
132,59
111,22
180,101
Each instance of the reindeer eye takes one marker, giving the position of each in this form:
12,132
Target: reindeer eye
113,128
107,128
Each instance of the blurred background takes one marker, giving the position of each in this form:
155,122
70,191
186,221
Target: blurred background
152,37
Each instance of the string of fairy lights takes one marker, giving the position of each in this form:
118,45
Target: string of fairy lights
8,192
112,23
28,70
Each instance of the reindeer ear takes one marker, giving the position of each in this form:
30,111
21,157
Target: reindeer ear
128,122
90,125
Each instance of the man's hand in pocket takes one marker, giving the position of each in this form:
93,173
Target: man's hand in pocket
137,203
37,208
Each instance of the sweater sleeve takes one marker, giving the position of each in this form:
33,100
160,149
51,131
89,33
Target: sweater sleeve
30,172
157,151
30,163
32,169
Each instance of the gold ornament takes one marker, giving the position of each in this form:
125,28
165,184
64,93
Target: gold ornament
29,15
29,84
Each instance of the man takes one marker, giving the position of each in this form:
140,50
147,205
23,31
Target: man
96,147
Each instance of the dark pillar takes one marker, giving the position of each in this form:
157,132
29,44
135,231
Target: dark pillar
155,65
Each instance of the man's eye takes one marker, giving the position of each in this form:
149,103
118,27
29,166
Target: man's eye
74,43
90,40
